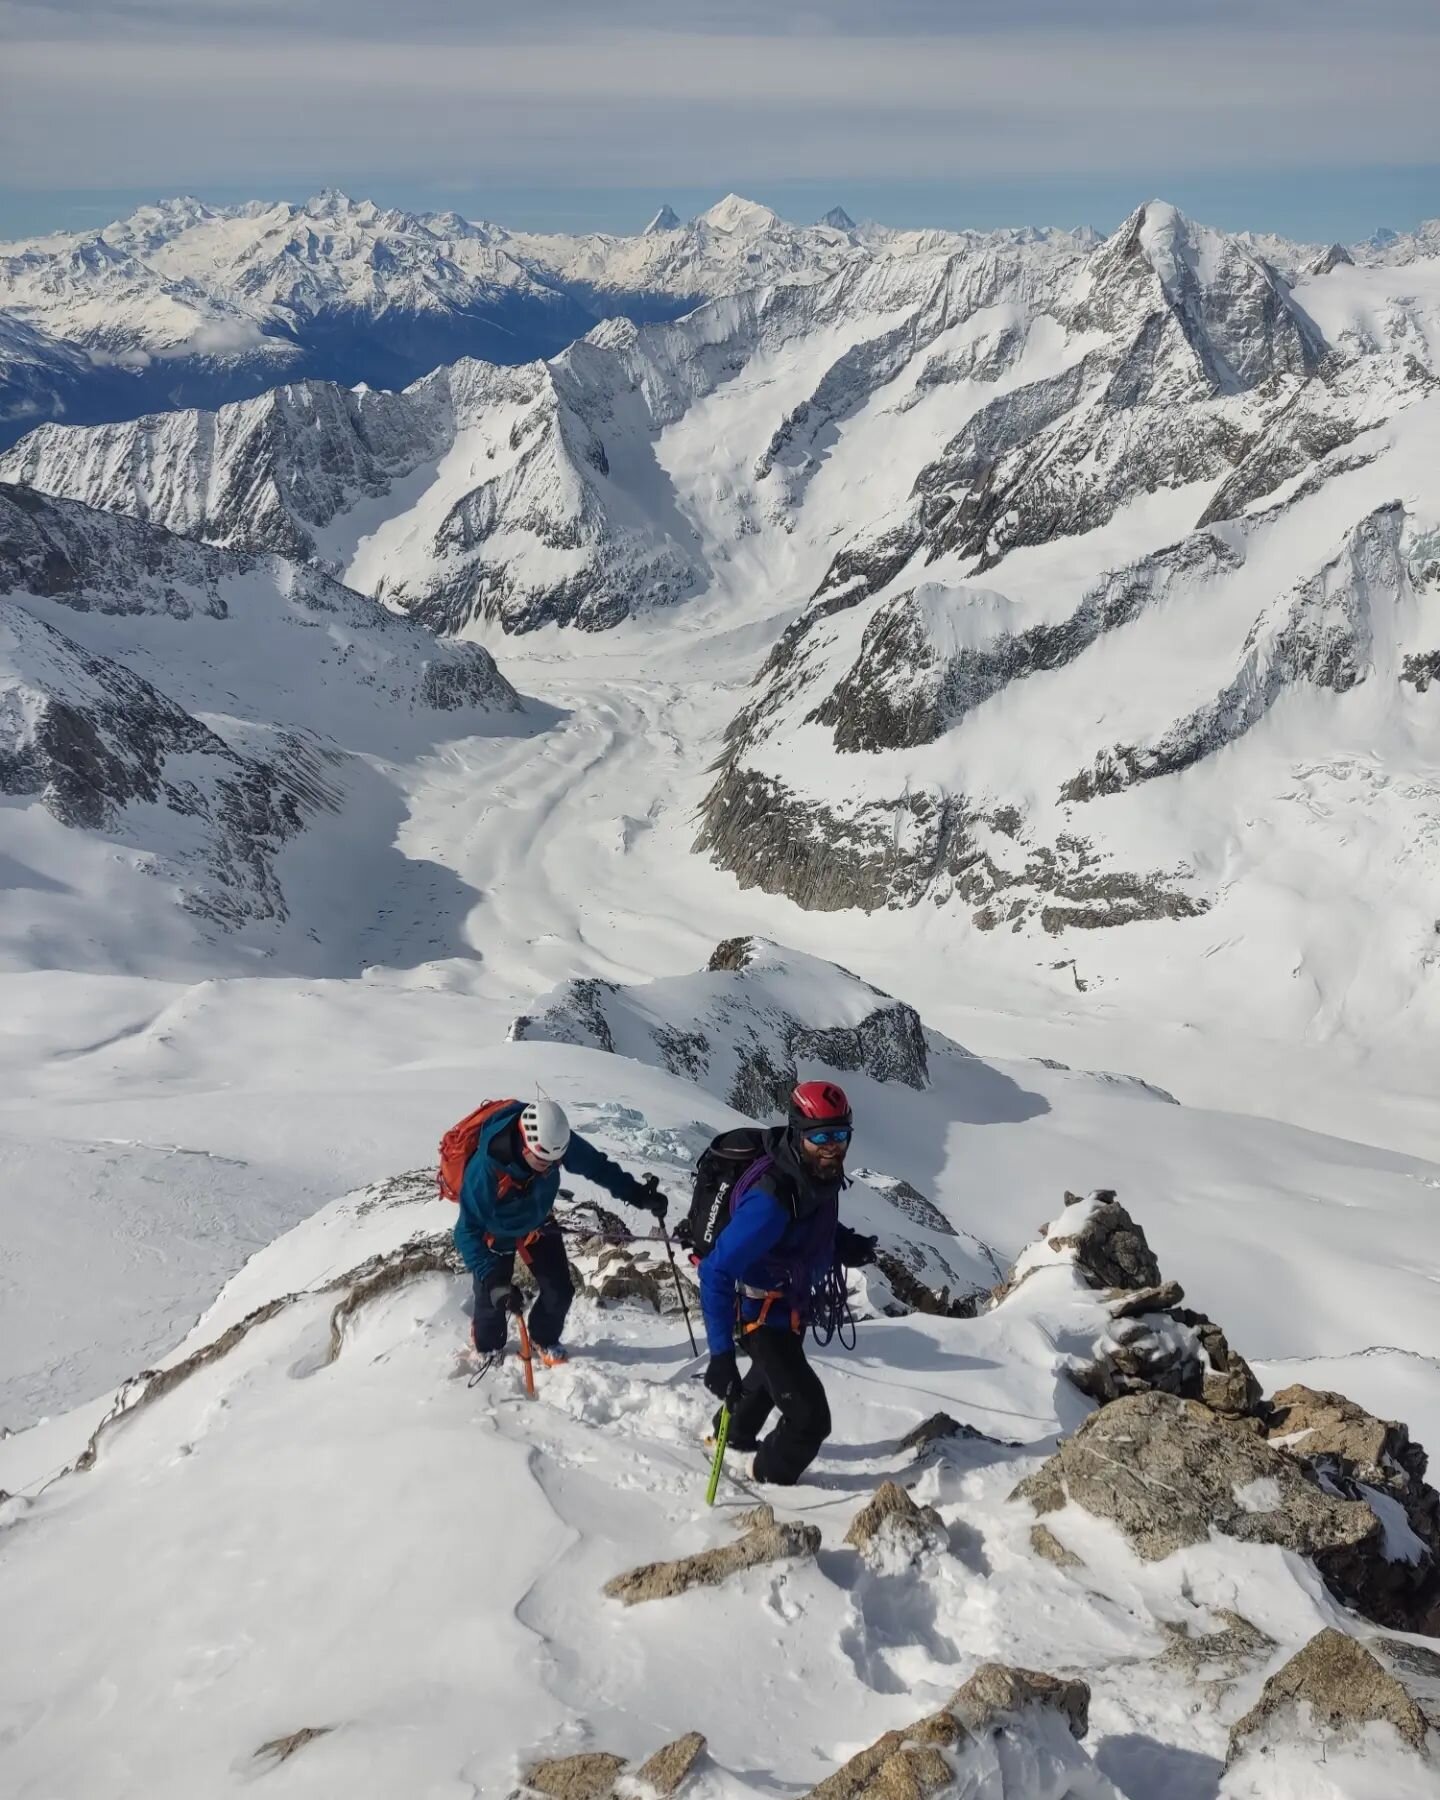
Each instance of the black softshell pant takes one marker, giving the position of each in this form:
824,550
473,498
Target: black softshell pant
551,1269
780,1376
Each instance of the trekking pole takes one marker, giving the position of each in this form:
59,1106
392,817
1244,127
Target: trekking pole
680,1291
722,1436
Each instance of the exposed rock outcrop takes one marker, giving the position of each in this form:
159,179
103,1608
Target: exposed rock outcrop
1333,1688
591,1775
1110,1250
895,851
965,1747
672,1765
594,1774
1168,1472
1186,1443
1214,1659
1354,1454
1147,1339
892,1533
765,1541
901,1765
735,1027
281,1749
935,1430
997,1692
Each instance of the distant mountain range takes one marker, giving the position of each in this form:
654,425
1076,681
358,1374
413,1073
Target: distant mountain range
183,304
1064,531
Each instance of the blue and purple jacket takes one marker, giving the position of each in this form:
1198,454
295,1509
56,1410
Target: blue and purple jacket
783,1237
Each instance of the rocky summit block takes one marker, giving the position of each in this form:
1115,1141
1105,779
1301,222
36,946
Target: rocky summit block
765,1541
1168,1472
1147,1338
1111,1250
1335,1687
1353,1453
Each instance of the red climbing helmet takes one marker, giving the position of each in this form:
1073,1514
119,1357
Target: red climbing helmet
818,1103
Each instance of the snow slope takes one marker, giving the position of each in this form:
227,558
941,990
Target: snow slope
468,1635
1304,1245
177,720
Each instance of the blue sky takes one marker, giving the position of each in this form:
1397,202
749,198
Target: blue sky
1316,118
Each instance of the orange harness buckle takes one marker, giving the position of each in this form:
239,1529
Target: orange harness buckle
767,1300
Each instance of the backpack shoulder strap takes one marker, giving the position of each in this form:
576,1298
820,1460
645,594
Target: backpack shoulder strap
782,1186
460,1143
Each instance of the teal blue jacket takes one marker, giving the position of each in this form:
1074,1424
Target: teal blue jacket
503,1202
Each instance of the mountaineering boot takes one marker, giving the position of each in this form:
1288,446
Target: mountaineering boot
477,1364
554,1356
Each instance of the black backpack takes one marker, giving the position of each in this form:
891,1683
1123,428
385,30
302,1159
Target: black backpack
724,1160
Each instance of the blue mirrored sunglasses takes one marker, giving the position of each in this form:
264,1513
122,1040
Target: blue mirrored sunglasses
829,1134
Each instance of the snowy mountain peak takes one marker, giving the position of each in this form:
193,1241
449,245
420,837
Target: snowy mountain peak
1336,257
334,203
736,214
838,219
667,219
1166,235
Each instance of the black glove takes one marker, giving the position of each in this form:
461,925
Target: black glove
860,1251
722,1377
654,1200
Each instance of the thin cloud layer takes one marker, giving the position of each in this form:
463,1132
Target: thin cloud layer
189,93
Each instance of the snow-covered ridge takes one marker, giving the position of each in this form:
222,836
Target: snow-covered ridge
1158,1619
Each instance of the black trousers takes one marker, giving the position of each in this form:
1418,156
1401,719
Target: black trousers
551,1269
780,1376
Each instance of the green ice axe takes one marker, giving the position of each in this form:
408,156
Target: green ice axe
721,1438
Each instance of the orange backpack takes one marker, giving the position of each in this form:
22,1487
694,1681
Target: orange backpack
458,1146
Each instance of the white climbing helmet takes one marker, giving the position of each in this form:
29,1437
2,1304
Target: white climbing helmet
544,1130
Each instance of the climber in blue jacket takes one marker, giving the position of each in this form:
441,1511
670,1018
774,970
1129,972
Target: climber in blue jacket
781,1247
507,1202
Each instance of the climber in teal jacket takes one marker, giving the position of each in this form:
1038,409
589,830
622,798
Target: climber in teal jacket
507,1202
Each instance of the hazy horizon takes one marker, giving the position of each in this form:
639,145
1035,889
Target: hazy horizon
1336,206
1308,118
